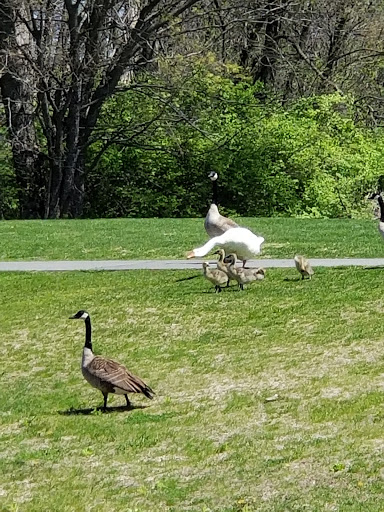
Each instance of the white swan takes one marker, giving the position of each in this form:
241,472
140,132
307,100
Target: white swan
240,241
216,224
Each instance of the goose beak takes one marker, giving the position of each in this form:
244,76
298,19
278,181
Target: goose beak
72,317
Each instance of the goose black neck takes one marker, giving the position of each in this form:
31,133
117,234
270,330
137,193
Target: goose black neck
88,335
215,199
381,204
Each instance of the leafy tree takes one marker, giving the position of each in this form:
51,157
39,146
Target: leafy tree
60,61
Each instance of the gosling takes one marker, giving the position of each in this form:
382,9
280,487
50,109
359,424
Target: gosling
215,276
243,275
221,265
303,266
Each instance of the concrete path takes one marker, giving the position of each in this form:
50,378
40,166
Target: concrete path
47,266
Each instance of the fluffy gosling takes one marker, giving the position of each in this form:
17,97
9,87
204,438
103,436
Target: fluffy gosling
243,275
221,265
215,276
303,266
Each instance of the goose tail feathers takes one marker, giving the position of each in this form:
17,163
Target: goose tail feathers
148,392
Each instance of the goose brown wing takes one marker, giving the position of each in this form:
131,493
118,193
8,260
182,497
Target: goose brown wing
230,223
118,376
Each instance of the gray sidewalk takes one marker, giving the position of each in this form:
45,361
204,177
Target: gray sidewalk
48,266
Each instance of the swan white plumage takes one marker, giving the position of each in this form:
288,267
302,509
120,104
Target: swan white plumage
216,224
240,241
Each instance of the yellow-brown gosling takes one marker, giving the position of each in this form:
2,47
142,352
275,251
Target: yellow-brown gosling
303,266
105,374
243,275
215,276
221,265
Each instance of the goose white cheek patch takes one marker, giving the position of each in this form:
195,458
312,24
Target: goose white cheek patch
84,316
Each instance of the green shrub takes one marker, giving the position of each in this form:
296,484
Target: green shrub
8,187
309,158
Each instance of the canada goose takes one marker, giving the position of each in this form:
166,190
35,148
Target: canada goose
215,276
106,374
236,240
216,224
243,275
378,196
303,266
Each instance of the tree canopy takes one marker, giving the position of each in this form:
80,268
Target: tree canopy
120,108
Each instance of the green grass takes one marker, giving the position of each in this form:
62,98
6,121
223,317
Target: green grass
209,441
171,238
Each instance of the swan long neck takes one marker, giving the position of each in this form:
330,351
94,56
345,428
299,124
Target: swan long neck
88,333
215,194
381,204
203,250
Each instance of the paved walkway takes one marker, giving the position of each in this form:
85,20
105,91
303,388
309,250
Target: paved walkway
47,266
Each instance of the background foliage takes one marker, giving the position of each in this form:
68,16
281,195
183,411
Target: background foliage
308,157
119,108
156,142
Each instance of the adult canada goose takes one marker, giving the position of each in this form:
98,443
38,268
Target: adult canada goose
243,275
215,276
105,374
303,266
378,196
236,240
216,224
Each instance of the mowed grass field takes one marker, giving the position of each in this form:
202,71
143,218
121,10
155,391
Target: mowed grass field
211,440
172,238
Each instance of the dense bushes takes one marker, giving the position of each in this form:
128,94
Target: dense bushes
156,143
308,158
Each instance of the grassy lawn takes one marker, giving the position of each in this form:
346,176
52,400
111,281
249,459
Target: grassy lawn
171,238
209,441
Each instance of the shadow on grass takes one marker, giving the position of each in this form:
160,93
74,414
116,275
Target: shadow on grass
225,289
109,410
187,278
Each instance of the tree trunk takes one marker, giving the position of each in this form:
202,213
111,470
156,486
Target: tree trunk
28,162
265,69
18,101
